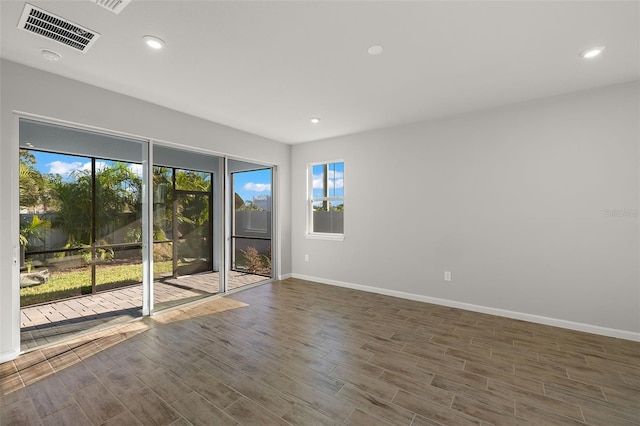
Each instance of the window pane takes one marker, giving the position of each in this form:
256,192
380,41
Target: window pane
162,204
335,181
118,267
189,180
252,256
67,199
54,276
318,176
248,223
194,233
328,217
251,221
118,202
328,180
162,259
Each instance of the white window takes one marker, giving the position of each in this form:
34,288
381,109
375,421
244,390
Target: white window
325,217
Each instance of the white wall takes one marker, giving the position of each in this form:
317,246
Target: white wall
512,200
36,92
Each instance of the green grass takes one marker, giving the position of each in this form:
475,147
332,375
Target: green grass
76,282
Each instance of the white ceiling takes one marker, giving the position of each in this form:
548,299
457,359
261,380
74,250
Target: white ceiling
266,67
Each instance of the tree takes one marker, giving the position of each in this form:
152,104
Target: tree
118,192
249,205
192,212
34,188
118,196
238,201
190,180
72,207
162,202
193,209
33,231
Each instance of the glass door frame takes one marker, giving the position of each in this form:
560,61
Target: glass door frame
176,193
143,244
217,210
228,218
221,222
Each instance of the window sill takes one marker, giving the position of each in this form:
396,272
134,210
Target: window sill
329,237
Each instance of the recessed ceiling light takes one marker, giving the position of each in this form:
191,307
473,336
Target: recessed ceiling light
51,55
375,50
314,120
592,53
153,42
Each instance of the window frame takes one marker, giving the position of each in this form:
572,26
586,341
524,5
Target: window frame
311,200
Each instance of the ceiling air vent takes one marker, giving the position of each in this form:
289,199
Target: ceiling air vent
55,28
115,6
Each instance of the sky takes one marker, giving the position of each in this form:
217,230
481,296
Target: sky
251,184
247,184
61,164
335,182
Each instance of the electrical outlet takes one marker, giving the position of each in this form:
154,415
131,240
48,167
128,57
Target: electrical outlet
447,275
306,257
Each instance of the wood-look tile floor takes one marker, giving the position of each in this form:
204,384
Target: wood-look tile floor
294,352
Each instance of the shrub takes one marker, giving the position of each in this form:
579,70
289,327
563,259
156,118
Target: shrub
257,263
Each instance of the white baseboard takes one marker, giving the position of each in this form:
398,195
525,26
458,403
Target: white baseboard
8,356
284,277
571,325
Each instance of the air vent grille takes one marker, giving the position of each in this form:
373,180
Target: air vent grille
115,6
55,28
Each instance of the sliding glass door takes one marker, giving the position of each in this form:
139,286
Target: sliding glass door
194,233
251,223
183,223
95,214
81,213
186,226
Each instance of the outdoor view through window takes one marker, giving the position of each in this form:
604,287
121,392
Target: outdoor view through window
82,216
326,201
62,229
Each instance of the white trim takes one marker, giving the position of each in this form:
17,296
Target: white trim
275,222
310,200
147,231
226,216
8,356
14,204
284,277
327,236
571,325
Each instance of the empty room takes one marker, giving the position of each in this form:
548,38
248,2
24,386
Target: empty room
319,212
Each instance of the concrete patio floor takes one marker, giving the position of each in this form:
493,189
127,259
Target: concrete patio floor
51,322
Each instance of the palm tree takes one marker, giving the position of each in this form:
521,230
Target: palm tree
73,208
33,230
34,188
